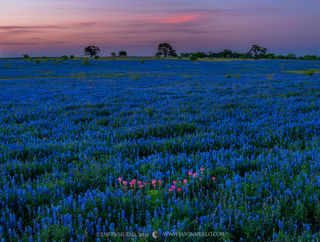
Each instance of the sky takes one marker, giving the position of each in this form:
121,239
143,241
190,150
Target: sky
59,27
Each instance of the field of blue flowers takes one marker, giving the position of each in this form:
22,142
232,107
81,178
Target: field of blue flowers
226,148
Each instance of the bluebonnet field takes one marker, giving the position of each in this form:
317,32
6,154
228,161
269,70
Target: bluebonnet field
159,145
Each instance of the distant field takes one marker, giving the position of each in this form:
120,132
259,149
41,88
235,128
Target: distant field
230,148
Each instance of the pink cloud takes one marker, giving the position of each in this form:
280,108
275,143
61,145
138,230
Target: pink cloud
181,19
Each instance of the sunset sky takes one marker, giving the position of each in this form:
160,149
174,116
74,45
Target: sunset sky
57,27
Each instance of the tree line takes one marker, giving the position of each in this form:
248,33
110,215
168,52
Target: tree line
166,50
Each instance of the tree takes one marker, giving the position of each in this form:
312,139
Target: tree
113,54
226,53
166,50
122,53
91,50
173,53
291,56
256,51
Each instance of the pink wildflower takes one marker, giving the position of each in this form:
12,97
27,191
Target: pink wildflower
119,178
201,169
179,189
159,184
134,180
213,178
185,181
189,173
200,178
139,182
154,181
141,185
195,174
174,182
159,181
125,183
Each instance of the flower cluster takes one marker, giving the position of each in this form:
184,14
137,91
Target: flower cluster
134,184
193,176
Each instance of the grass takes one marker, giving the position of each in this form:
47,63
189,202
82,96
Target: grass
309,72
135,77
85,62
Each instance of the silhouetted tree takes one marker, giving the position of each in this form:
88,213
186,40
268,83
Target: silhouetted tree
310,57
122,53
113,54
270,56
225,53
185,54
291,56
257,51
91,50
173,53
166,50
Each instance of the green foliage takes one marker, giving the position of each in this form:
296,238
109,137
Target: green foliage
309,72
37,61
228,76
25,56
8,65
85,62
96,57
310,57
135,77
193,58
141,61
71,57
155,197
55,233
291,56
64,57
